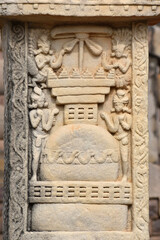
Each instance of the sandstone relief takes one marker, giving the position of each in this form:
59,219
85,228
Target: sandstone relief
80,115
119,124
79,93
76,133
42,120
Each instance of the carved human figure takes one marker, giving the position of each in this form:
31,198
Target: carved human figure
119,124
45,58
42,119
120,61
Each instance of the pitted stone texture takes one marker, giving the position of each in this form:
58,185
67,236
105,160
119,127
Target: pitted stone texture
85,152
77,217
78,160
130,8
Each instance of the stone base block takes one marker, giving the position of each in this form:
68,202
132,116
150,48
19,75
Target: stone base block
79,217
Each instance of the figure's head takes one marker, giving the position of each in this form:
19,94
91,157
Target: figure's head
120,100
121,41
118,107
38,98
44,44
119,50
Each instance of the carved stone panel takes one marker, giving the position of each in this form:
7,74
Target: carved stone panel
78,166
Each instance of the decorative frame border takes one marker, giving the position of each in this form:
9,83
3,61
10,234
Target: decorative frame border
129,8
16,140
140,132
16,131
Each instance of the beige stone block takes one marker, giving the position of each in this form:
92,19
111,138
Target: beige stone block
77,128
80,99
80,83
79,90
79,217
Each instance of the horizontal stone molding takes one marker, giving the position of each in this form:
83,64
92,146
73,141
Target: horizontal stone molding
87,2
78,235
81,192
79,8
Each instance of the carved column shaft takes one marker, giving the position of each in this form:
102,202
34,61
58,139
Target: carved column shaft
16,130
76,127
140,130
70,148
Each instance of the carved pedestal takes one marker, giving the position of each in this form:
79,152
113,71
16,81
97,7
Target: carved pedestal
76,132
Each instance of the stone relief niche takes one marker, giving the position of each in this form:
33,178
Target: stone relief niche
80,112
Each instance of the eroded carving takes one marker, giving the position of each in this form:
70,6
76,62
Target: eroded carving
16,133
119,65
42,120
81,152
140,129
78,148
46,60
89,157
119,124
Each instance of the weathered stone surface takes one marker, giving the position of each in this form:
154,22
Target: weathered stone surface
79,217
78,235
146,10
76,121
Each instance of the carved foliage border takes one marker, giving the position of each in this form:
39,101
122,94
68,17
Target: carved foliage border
140,132
16,132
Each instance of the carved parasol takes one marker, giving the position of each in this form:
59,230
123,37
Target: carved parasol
81,35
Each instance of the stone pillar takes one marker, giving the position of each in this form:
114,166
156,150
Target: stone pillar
76,127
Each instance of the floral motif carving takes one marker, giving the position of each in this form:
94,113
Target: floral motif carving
16,84
140,132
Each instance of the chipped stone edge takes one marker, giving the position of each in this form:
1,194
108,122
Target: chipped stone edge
16,162
140,161
16,132
103,8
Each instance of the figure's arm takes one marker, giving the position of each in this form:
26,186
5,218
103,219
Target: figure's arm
47,121
124,67
34,118
104,65
112,125
58,63
41,62
126,124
